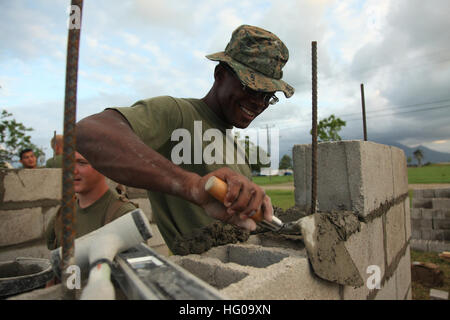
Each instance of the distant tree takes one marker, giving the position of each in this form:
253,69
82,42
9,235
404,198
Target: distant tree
409,160
285,162
418,154
328,128
14,138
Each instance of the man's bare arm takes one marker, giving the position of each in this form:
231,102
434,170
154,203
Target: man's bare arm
107,141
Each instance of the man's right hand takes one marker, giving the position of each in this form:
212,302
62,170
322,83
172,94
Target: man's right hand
243,198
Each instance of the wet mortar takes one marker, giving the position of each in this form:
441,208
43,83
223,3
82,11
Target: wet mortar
219,233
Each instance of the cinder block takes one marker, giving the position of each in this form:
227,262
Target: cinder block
422,223
407,211
403,275
157,239
441,235
442,193
255,273
366,249
416,233
427,213
389,290
416,213
427,234
22,225
441,214
422,203
419,244
441,224
399,172
441,203
438,246
395,231
362,176
33,184
436,294
144,204
49,213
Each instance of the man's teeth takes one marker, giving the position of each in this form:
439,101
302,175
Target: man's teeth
251,114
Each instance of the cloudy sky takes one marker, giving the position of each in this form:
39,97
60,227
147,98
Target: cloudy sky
136,49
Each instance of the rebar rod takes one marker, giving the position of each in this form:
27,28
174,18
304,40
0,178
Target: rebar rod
68,165
314,129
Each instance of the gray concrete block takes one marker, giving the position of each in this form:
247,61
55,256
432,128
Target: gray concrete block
441,214
416,233
422,223
436,294
389,290
441,203
247,272
422,203
361,180
441,235
427,234
442,193
427,213
419,244
441,224
33,184
399,171
20,226
395,231
366,249
416,213
438,246
407,211
403,275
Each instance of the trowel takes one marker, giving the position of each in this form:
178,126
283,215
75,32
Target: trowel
324,239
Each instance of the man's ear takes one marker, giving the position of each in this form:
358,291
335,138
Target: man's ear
219,72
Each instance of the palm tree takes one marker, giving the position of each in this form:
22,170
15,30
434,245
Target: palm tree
418,154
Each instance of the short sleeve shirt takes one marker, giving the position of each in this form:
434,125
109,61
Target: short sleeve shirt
185,132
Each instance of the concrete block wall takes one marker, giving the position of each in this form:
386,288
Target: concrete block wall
367,178
29,198
430,219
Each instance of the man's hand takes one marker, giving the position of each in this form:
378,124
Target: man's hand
243,198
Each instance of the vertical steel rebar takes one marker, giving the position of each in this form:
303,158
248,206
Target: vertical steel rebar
68,166
314,129
363,102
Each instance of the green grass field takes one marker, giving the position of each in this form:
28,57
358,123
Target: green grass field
281,198
264,180
435,173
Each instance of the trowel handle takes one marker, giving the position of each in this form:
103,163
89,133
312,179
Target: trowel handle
218,189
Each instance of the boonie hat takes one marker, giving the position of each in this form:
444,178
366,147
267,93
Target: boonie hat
257,56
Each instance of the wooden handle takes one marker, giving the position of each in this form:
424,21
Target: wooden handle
218,189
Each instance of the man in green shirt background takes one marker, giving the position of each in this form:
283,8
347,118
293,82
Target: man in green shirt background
136,145
96,204
57,144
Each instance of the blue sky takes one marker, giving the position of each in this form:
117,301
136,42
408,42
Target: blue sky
132,50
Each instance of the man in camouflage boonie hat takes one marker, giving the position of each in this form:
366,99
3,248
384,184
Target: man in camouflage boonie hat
135,146
258,57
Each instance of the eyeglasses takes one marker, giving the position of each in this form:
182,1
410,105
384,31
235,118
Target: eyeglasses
268,98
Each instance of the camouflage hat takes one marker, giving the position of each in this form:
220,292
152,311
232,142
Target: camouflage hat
257,56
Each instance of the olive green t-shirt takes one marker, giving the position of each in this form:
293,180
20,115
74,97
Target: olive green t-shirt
88,219
155,121
54,162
